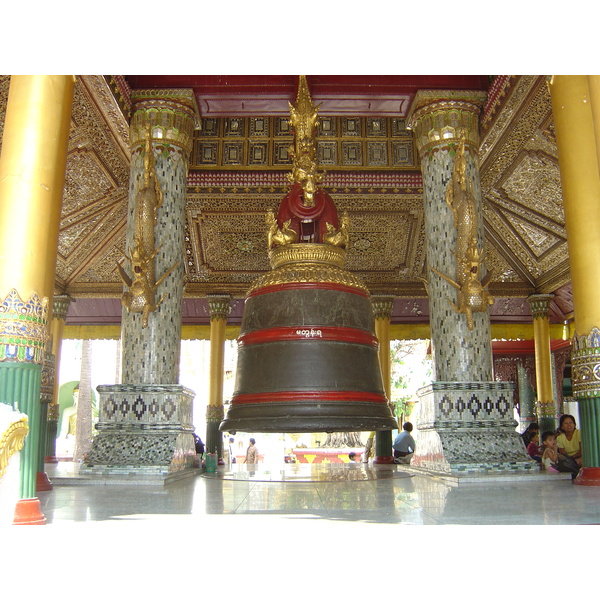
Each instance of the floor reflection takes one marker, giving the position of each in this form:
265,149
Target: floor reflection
331,492
322,472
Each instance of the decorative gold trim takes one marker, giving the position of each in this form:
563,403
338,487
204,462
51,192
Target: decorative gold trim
288,254
219,306
585,359
539,305
12,441
48,376
441,117
382,306
215,413
60,307
53,412
308,273
546,409
23,328
171,115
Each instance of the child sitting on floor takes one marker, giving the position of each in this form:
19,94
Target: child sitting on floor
533,448
550,455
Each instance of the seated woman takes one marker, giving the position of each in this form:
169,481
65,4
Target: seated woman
568,441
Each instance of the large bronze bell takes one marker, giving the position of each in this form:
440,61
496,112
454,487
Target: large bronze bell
307,351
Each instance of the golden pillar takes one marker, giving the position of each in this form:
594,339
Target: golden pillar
382,311
32,174
594,88
543,361
219,306
576,110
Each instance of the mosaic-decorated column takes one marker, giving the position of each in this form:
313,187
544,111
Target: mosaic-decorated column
219,307
32,172
465,418
543,361
382,310
148,416
151,340
60,307
527,408
576,111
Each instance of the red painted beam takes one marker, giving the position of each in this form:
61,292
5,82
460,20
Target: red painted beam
262,95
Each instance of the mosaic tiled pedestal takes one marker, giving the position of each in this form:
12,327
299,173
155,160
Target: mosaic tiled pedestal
469,428
143,430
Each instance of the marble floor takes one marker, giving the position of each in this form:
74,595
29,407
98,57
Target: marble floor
308,530
383,494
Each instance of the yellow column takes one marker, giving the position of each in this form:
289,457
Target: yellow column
594,88
543,361
32,174
578,160
382,310
576,110
219,306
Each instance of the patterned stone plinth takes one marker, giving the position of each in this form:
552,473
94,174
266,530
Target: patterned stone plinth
144,429
469,428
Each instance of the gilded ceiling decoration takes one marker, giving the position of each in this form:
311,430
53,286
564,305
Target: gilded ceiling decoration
520,182
238,173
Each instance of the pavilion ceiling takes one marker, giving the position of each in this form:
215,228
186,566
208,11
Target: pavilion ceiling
238,172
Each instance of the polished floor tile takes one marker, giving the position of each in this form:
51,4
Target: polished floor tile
301,532
383,494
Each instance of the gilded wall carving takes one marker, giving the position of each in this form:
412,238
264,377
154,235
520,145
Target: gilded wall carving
237,174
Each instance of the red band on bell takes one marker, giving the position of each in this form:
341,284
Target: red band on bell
326,334
309,396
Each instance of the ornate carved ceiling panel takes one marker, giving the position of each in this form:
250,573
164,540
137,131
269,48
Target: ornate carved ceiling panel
521,188
94,212
226,242
225,231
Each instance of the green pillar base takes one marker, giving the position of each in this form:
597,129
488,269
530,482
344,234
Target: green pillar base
547,424
20,388
214,438
383,448
589,415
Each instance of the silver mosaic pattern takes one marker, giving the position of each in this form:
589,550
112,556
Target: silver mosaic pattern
459,354
143,425
133,450
469,427
151,354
